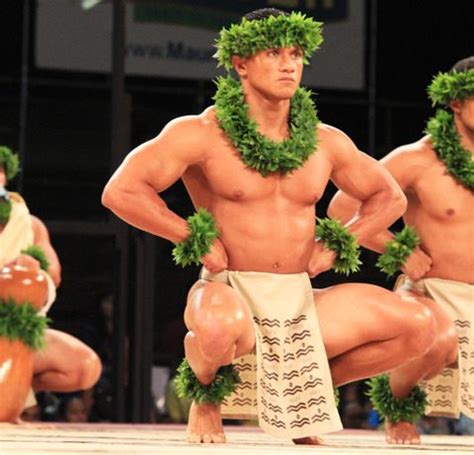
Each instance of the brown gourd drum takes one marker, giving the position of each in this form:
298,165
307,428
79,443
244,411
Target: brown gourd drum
16,359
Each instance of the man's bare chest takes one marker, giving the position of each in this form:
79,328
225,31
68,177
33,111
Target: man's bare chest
443,197
229,177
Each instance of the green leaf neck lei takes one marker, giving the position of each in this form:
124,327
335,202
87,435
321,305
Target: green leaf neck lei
447,146
258,152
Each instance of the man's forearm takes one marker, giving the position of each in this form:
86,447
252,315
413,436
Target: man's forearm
370,223
378,241
148,212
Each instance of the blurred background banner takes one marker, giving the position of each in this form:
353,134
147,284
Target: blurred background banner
175,39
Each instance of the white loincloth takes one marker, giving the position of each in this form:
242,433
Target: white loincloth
452,391
295,396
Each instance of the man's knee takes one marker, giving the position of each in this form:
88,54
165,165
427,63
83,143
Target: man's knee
450,344
216,316
420,333
89,369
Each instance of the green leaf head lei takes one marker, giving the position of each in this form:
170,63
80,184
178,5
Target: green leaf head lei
251,36
453,85
9,161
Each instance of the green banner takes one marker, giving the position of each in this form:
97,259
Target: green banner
215,14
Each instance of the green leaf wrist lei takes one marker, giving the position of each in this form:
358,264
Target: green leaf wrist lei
408,409
202,233
37,253
336,237
21,322
188,386
251,36
398,250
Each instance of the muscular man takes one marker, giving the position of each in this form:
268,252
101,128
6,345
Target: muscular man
260,182
66,364
437,175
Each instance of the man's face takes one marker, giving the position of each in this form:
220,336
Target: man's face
3,177
276,72
464,110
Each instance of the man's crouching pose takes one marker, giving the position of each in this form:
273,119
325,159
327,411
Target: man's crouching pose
435,253
255,164
65,364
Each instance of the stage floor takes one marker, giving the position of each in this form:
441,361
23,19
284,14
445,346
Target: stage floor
59,439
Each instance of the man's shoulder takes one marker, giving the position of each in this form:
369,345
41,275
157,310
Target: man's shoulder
190,125
419,152
328,132
16,197
410,162
333,141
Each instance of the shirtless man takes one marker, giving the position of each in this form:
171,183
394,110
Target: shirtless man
266,222
440,269
65,364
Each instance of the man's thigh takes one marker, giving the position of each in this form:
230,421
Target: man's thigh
215,311
353,314
62,352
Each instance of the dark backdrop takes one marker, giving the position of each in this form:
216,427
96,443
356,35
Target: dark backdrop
68,151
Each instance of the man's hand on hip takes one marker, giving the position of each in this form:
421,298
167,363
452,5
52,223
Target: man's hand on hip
216,260
417,265
322,259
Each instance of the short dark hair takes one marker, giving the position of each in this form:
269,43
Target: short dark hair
465,64
263,13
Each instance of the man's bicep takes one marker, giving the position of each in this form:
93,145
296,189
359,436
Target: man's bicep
343,207
399,164
359,175
161,161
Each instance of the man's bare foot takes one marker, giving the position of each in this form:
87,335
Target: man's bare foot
205,424
401,433
309,440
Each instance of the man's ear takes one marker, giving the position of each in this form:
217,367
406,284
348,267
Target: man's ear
455,106
240,65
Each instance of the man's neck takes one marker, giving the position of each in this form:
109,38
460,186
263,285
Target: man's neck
466,136
270,114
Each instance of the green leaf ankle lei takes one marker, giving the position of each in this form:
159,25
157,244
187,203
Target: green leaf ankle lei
408,409
36,252
202,233
21,322
188,386
336,237
256,151
447,146
398,250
